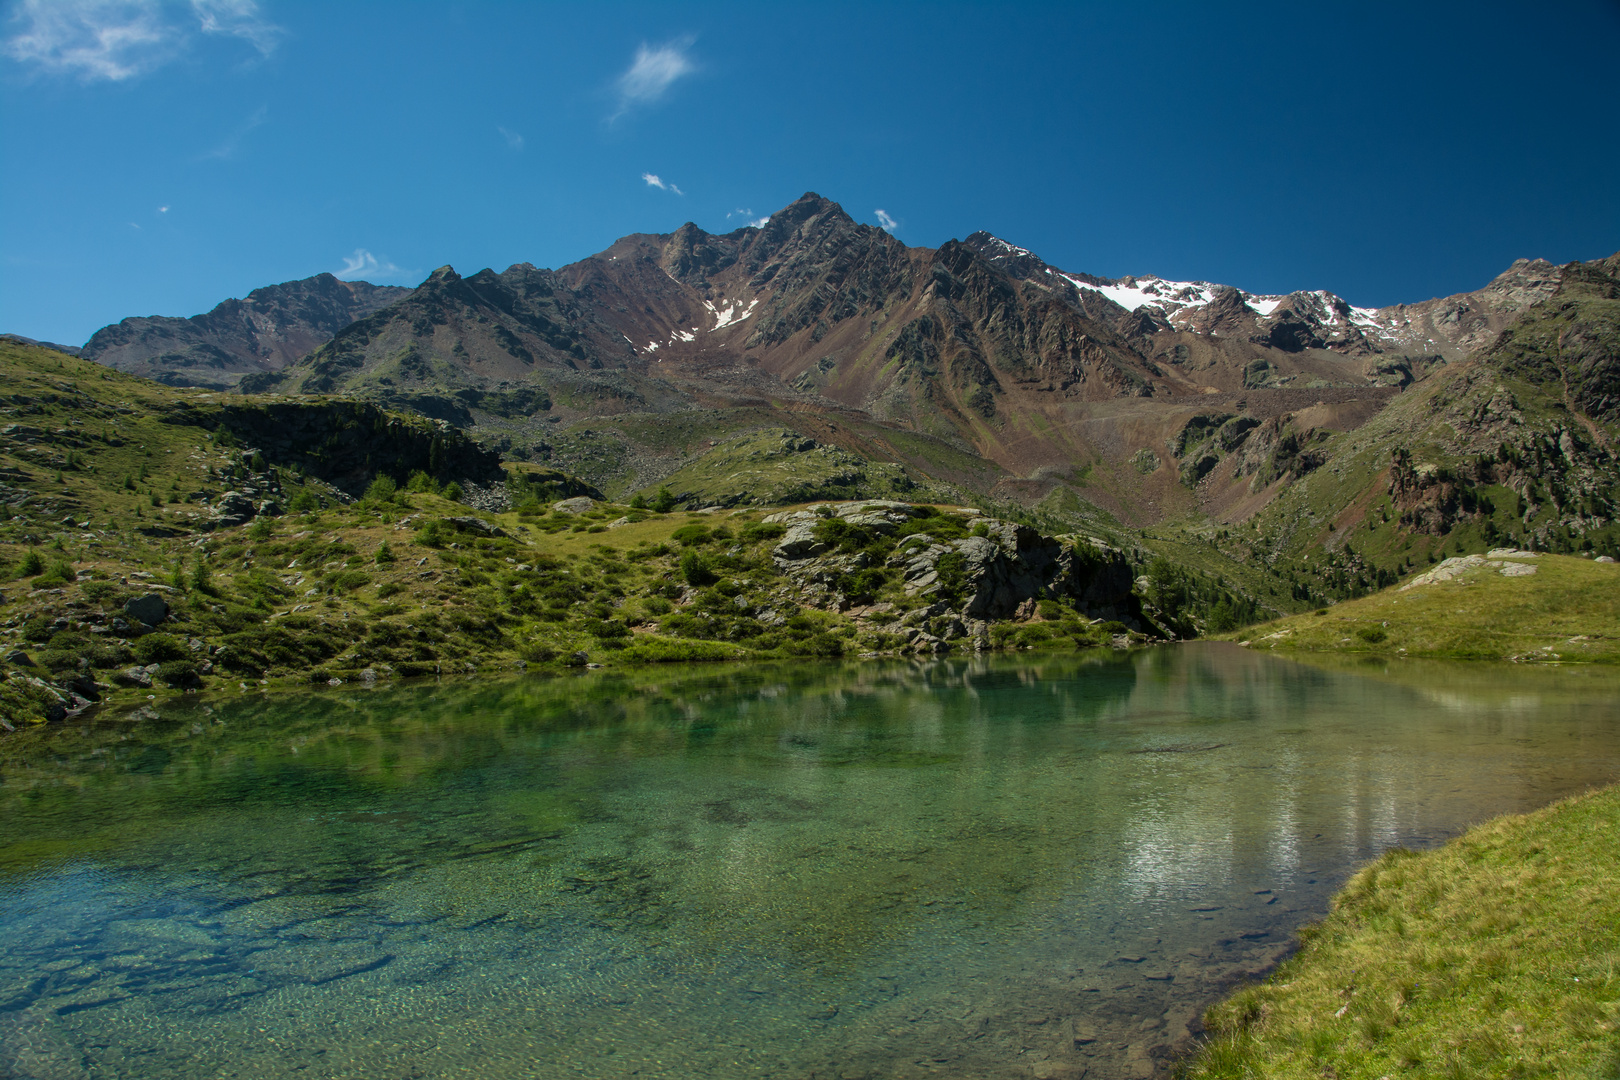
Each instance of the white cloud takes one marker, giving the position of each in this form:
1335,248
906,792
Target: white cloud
163,209
754,222
653,181
237,18
514,141
363,264
885,222
759,222
114,40
652,73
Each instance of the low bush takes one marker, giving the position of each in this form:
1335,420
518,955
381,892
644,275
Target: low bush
696,570
763,530
159,648
649,649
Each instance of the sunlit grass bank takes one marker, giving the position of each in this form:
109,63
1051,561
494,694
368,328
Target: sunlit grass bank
1497,955
1546,608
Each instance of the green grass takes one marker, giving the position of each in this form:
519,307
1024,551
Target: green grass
1497,955
1567,612
103,500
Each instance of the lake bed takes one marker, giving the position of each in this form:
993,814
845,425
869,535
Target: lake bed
1006,866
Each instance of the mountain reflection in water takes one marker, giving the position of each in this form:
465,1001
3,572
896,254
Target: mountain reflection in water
1006,866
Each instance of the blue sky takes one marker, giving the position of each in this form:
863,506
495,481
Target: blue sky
162,155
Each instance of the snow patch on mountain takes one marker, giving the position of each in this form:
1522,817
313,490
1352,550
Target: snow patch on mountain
729,315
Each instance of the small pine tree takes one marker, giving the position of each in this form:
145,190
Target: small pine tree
385,554
32,565
452,491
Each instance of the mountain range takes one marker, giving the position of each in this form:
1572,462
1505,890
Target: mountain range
265,331
717,363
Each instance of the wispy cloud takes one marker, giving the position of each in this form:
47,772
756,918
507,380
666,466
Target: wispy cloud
653,181
652,72
885,222
363,264
514,141
228,148
749,218
114,40
237,18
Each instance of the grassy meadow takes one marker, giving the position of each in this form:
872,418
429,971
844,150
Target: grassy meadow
1497,955
1566,611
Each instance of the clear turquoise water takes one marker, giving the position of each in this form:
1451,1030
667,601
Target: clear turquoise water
989,868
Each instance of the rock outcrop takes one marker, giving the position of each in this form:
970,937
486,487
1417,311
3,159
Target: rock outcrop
999,572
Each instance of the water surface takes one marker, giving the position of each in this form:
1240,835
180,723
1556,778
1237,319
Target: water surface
1005,867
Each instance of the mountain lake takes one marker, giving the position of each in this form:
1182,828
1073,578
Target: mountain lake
1008,866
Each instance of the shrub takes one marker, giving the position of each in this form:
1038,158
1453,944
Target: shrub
179,674
1372,635
537,652
664,501
98,591
691,535
696,571
762,530
350,580
382,490
107,655
452,491
159,648
385,554
422,484
32,565
662,650
60,572
304,501
387,589
431,533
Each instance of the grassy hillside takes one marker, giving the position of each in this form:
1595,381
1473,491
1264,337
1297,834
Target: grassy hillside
1545,609
1495,956
113,488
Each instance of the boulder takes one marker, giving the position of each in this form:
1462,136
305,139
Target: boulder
478,525
150,609
81,685
576,505
800,543
135,676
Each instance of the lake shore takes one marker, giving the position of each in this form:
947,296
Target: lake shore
1493,956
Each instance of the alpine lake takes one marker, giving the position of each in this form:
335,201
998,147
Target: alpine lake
1006,866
